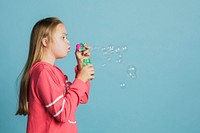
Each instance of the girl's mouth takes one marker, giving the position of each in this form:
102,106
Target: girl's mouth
68,49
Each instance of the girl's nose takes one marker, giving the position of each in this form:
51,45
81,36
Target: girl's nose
67,42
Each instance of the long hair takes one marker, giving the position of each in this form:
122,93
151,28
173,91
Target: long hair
43,28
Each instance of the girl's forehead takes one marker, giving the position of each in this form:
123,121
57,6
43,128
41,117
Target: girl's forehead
60,28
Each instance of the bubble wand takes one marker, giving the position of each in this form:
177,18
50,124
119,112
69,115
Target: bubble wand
81,47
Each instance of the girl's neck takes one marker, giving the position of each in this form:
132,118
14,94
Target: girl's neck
48,59
49,62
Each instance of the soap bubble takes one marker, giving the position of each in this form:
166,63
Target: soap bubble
131,71
93,48
124,48
105,52
117,49
119,58
103,65
110,48
122,84
108,59
103,49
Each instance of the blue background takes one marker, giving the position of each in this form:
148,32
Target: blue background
163,40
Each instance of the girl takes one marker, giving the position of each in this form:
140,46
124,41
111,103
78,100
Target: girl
45,93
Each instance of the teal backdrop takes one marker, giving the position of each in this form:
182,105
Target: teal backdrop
161,39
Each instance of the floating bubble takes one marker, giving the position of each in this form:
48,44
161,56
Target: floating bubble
120,58
122,84
94,48
108,59
110,47
117,49
103,49
103,65
131,71
105,53
124,48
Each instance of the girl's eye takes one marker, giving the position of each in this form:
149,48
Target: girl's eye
64,37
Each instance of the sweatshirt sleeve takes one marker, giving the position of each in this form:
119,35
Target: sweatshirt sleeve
59,104
85,97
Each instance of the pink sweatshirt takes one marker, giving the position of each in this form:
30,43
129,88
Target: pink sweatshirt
53,100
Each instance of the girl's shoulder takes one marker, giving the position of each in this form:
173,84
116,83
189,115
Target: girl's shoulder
40,66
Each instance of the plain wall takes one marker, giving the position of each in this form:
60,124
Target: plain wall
163,41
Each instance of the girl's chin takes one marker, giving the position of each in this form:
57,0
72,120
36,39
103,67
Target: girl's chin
62,56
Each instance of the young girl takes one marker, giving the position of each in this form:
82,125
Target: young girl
46,95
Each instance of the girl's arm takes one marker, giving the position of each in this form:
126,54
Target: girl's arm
50,92
85,97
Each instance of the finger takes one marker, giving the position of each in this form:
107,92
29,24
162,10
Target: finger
87,46
89,66
86,54
86,51
78,54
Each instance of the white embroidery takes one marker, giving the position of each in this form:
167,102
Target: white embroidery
60,111
72,122
58,98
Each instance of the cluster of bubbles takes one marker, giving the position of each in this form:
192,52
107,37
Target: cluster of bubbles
118,51
111,52
131,72
122,84
115,53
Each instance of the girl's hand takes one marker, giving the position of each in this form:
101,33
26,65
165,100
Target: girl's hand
82,55
86,73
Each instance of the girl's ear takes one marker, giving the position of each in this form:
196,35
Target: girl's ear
45,42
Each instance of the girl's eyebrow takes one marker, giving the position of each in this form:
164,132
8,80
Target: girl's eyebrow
64,34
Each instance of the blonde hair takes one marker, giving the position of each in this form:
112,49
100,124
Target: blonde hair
43,28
